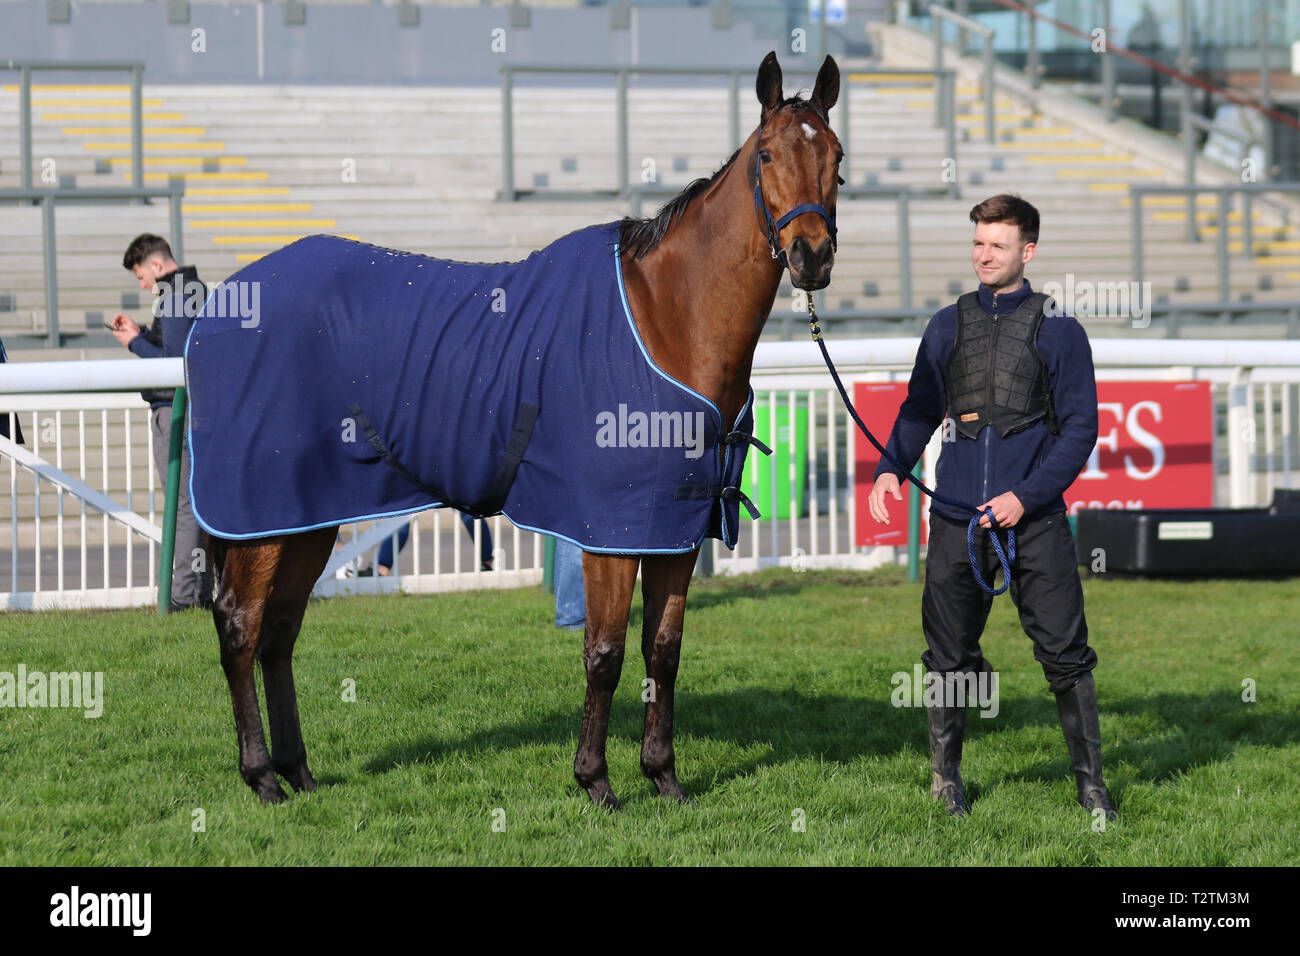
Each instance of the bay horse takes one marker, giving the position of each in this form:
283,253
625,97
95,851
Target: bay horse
701,277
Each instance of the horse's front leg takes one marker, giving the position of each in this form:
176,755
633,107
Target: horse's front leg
664,582
608,581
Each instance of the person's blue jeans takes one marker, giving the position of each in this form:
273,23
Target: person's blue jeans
385,557
570,599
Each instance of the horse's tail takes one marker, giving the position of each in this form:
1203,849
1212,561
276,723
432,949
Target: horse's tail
217,548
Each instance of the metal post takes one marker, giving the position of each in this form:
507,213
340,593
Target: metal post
168,549
174,213
1267,139
963,38
914,530
1223,245
904,249
936,26
733,107
137,128
1248,214
622,132
1107,66
25,122
988,88
704,563
846,128
1031,61
1185,108
507,136
823,32
950,120
51,275
1240,450
1135,210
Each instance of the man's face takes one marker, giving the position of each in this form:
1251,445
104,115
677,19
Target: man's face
999,256
150,271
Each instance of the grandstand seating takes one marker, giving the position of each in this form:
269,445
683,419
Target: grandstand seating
264,165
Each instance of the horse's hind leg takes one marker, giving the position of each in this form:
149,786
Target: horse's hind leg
609,581
303,558
664,582
247,575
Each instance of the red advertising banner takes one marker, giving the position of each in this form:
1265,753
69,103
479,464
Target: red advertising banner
877,403
1155,449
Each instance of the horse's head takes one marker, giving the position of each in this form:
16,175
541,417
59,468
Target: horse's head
795,173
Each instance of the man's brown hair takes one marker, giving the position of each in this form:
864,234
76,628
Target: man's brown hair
1008,208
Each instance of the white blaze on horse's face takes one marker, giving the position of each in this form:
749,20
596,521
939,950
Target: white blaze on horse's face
808,131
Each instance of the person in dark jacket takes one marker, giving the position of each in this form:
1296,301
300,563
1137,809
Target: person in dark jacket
179,297
1013,442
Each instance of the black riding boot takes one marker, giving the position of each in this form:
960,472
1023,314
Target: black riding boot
1082,726
947,725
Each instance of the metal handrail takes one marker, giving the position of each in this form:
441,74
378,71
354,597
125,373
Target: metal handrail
918,316
25,69
938,15
1183,74
944,80
49,197
1138,191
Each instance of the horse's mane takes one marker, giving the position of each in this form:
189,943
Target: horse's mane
639,236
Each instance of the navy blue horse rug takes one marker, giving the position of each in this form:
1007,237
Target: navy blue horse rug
372,382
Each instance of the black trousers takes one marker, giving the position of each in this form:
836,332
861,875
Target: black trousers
1044,587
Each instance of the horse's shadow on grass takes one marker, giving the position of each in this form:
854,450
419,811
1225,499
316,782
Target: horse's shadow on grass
777,726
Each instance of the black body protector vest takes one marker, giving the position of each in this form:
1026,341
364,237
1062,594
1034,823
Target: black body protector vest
995,375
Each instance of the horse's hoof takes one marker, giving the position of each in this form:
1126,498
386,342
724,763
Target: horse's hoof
271,794
302,782
666,783
603,796
267,788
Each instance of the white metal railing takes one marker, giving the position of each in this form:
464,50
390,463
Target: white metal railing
86,503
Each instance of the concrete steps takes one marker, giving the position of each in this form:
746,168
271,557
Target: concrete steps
419,168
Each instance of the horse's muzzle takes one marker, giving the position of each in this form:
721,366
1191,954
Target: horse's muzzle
810,269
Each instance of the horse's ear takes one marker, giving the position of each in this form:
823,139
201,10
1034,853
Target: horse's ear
768,85
827,89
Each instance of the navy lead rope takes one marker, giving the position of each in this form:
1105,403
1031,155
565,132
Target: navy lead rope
1006,557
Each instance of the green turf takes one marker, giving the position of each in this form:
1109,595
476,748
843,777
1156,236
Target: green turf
467,703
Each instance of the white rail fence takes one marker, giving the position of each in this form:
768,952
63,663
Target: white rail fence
84,521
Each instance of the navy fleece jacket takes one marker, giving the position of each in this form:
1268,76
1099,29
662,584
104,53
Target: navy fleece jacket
1035,464
165,336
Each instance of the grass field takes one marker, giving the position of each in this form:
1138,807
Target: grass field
467,711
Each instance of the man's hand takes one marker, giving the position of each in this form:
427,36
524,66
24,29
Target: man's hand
124,330
885,484
1006,508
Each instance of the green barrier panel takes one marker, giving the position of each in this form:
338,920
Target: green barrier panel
548,565
757,479
172,497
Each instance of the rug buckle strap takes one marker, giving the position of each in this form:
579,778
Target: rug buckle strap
693,490
736,438
505,476
376,441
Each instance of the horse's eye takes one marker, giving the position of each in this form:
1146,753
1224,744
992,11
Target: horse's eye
764,155
840,179
839,157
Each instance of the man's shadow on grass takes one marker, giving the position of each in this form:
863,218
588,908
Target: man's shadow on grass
777,726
